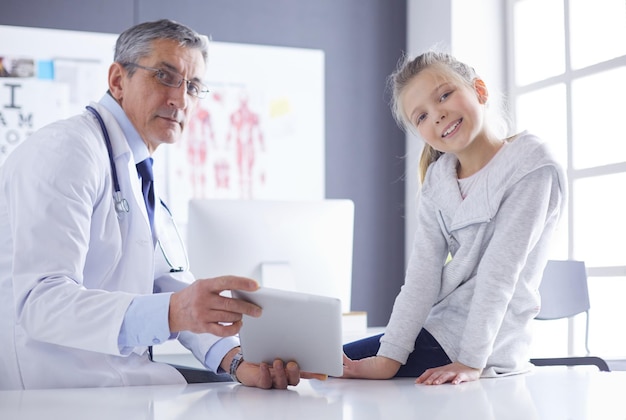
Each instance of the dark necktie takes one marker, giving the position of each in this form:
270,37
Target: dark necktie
145,171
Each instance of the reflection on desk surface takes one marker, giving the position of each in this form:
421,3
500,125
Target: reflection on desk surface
545,393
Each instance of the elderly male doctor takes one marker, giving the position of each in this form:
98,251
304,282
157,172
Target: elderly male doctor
85,283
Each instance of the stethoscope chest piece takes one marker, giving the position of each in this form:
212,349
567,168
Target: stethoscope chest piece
121,205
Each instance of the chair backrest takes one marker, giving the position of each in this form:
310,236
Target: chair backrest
563,290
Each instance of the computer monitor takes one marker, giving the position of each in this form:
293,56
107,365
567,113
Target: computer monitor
305,246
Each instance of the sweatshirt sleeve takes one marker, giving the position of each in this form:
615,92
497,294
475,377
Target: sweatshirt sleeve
527,208
420,289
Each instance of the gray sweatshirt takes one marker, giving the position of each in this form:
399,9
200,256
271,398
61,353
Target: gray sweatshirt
479,304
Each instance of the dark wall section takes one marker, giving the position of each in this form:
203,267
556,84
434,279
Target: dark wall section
362,41
112,16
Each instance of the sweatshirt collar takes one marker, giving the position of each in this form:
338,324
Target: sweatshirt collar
523,155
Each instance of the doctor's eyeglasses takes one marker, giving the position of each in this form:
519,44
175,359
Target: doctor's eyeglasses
170,78
171,244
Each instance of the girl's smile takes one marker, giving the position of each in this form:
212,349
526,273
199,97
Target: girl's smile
452,128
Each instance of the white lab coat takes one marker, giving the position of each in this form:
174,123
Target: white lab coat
76,267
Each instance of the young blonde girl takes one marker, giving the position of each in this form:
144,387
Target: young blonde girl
487,209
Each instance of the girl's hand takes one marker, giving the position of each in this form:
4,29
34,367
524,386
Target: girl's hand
454,373
375,367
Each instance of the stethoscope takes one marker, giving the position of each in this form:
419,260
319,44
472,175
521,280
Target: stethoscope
121,204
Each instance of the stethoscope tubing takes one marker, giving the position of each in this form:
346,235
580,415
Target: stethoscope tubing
121,205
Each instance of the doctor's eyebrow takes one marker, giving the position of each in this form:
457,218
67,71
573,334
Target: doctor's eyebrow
173,68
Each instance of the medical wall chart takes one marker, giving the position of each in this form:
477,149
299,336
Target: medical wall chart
259,134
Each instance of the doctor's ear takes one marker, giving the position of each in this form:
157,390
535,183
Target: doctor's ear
481,90
116,76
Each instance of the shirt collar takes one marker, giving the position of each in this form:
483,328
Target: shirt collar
135,142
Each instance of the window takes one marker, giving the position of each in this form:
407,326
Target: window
567,73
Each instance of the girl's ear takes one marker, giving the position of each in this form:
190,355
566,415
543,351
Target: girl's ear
481,90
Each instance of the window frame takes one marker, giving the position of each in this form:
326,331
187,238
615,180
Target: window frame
600,277
567,78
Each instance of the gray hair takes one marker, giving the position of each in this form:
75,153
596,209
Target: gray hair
136,42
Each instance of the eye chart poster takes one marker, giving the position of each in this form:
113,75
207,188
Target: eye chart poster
259,133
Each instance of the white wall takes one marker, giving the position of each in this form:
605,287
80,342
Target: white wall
478,38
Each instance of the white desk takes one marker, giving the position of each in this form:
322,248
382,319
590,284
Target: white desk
546,393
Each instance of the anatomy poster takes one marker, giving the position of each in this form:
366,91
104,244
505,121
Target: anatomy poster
259,133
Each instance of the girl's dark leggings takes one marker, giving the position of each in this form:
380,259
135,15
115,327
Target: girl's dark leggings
427,354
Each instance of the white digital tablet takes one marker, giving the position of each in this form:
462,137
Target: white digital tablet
294,326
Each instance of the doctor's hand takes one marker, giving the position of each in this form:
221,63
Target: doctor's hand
200,308
279,375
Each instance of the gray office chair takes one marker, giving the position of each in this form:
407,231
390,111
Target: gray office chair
564,294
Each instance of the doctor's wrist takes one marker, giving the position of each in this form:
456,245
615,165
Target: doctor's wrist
228,359
234,365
